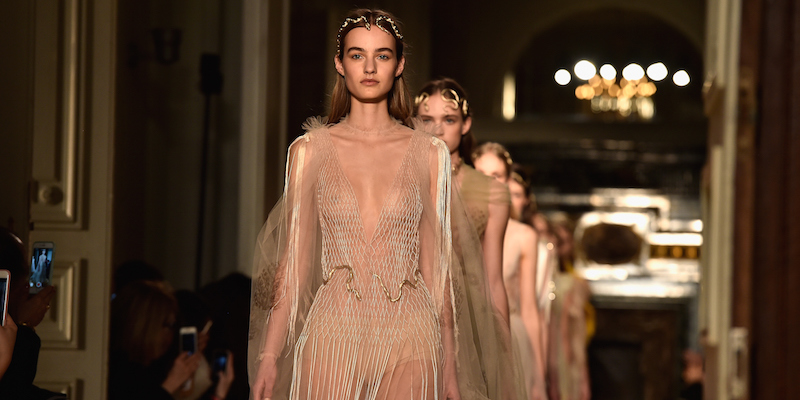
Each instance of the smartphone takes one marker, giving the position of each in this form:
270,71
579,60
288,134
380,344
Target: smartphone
41,266
189,339
188,335
5,280
220,361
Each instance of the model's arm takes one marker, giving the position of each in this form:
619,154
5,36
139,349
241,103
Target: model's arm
293,265
529,309
493,256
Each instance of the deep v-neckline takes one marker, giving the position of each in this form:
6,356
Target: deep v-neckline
387,196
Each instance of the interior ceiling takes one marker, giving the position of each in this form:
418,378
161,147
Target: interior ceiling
613,36
566,148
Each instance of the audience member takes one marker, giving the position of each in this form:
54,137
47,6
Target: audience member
8,336
135,270
143,317
193,311
229,301
28,311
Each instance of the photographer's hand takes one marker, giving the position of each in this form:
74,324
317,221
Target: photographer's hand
32,311
8,336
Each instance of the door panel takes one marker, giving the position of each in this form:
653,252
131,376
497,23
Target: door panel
71,186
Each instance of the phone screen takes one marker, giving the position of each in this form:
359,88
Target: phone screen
220,360
188,342
3,290
41,267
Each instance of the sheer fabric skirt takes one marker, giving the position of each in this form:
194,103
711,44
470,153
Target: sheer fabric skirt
369,349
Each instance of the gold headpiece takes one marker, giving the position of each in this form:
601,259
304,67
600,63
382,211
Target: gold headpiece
348,21
422,99
458,103
391,22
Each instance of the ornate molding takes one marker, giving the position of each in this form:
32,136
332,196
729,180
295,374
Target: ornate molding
58,109
68,388
59,329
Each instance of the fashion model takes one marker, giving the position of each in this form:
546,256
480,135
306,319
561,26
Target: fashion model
356,284
519,271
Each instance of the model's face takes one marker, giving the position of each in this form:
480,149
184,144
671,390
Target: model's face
541,226
369,64
450,125
566,243
167,334
518,198
493,166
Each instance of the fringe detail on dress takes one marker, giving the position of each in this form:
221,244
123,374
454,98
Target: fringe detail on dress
315,123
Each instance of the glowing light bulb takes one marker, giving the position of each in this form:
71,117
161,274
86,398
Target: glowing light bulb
608,72
657,71
681,78
563,77
585,70
633,72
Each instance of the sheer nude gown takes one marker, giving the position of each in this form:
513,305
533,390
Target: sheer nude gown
479,191
521,340
353,292
567,355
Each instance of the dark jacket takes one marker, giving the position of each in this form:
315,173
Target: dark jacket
17,382
132,381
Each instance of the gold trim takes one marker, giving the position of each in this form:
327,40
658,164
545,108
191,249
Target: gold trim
349,279
400,289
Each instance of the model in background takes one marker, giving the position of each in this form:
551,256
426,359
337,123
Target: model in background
443,104
519,272
568,372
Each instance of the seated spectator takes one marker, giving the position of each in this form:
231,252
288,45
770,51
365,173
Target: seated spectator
229,301
135,270
28,311
194,312
142,330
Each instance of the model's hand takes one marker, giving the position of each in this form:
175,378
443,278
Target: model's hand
537,393
451,391
182,369
8,336
225,378
32,311
202,341
265,378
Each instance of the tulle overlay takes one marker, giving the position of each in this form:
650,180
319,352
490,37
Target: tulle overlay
351,314
478,191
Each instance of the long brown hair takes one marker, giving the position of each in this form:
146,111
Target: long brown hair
443,86
140,313
399,99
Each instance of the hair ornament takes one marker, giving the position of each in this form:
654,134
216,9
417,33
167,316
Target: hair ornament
458,103
422,99
352,21
391,22
345,24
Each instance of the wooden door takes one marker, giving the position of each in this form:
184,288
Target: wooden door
71,138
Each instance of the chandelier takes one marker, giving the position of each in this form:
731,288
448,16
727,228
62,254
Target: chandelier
628,96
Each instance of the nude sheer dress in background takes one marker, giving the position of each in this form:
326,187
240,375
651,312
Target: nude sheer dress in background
359,302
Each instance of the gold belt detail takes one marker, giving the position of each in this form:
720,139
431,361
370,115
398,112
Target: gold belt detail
349,279
400,289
